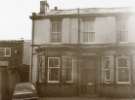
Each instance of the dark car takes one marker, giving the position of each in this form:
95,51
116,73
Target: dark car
25,91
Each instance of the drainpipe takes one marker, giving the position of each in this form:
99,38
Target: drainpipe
32,46
78,55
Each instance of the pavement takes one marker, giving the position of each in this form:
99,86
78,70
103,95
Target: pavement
84,98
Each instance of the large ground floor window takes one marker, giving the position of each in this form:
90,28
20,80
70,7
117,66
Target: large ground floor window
55,69
123,70
107,66
54,64
118,67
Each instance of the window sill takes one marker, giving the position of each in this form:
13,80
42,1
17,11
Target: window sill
123,83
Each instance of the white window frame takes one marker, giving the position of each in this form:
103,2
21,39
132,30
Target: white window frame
111,69
117,69
58,67
4,51
90,22
70,81
122,28
58,34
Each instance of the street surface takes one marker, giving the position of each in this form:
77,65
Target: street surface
84,98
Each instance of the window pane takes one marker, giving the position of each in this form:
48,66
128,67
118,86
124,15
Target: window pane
54,62
88,36
123,75
54,74
56,31
51,63
122,62
107,75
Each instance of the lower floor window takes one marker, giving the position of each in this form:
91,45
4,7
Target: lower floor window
123,69
53,74
53,69
107,67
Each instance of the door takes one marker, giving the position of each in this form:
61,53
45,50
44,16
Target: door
88,76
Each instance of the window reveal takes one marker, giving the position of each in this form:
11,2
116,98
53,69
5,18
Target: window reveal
68,69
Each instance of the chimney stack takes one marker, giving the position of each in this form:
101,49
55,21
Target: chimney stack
44,6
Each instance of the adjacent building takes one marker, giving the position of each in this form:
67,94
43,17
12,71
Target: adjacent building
84,52
11,53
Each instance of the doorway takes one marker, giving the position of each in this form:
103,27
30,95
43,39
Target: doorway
88,76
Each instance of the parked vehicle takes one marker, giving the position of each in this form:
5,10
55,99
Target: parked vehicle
25,91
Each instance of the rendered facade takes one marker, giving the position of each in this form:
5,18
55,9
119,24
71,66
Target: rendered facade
84,52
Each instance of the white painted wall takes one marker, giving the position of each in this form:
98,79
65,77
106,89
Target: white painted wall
27,52
34,69
105,28
131,28
42,31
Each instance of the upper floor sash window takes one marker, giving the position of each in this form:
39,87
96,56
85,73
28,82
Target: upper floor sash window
5,52
56,31
122,29
88,30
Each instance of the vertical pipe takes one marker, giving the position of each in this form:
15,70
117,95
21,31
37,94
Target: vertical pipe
78,16
32,44
78,49
131,74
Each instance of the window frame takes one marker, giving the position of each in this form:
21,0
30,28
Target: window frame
122,23
89,34
110,68
128,68
55,33
48,72
5,51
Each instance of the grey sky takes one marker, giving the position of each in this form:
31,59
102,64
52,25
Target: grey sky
14,14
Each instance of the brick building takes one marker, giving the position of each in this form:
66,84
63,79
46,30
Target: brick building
11,53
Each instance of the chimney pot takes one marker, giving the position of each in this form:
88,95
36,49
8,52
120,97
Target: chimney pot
43,7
